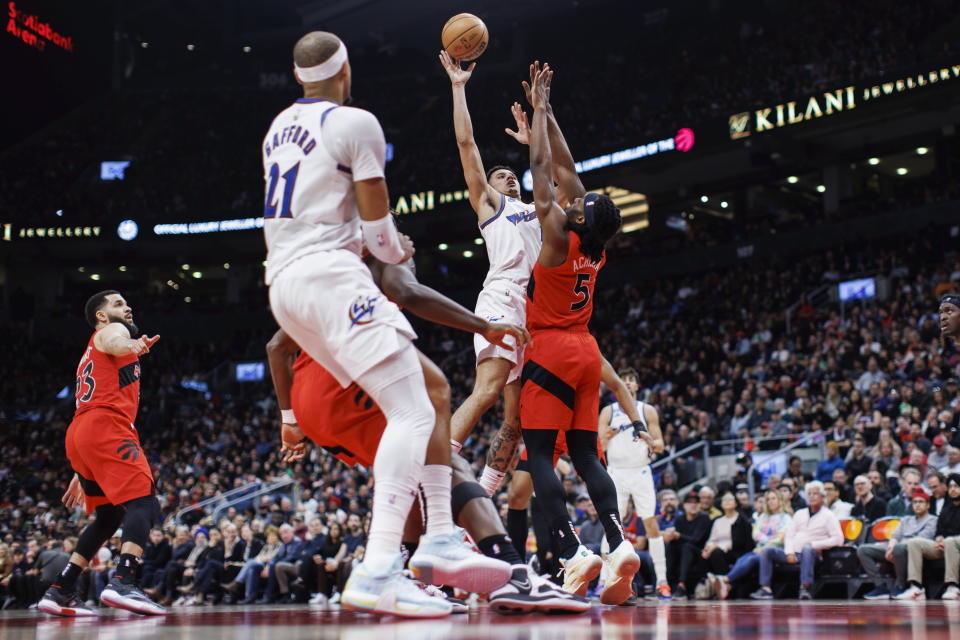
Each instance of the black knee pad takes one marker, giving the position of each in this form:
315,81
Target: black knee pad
142,514
462,494
109,517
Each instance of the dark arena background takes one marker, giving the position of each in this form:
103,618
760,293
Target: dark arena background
787,176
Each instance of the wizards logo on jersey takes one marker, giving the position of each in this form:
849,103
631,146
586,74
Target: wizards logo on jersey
361,310
523,216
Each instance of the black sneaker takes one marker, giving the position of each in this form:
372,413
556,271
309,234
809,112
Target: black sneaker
526,592
121,595
680,593
629,602
805,594
58,602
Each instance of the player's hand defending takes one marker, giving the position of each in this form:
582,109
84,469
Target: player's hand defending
536,69
458,75
74,494
294,443
141,346
522,134
497,332
540,89
408,248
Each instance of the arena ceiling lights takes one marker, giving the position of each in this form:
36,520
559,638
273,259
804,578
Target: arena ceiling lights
634,208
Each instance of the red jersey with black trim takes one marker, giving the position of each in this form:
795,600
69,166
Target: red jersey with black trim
108,382
562,297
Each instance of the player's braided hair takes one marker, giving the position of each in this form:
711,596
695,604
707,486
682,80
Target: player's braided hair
606,223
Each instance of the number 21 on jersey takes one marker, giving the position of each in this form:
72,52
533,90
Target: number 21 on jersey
289,182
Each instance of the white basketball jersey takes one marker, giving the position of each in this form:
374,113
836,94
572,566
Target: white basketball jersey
622,451
513,240
312,154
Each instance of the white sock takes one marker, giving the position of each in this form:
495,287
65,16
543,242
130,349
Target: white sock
435,481
491,479
456,446
391,506
659,553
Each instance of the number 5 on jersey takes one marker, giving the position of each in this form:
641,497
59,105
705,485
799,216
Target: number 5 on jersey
289,182
581,289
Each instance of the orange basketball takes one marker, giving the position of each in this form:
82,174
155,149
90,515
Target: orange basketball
465,37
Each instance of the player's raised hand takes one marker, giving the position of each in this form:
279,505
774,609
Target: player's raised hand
74,494
497,332
522,134
141,346
540,88
458,75
535,69
293,443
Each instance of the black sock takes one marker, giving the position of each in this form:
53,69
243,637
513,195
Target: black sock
565,537
518,530
408,549
68,577
127,568
612,527
500,547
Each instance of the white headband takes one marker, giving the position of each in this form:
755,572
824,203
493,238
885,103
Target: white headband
326,69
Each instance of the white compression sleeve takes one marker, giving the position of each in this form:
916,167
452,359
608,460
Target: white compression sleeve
382,239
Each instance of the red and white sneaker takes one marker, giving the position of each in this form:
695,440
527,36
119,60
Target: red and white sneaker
67,604
913,592
121,595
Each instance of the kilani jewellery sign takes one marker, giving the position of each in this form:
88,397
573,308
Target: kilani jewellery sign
831,103
8,232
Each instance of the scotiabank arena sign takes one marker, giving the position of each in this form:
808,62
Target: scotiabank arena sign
831,103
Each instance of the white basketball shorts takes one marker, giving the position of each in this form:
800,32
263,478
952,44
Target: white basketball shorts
501,302
636,483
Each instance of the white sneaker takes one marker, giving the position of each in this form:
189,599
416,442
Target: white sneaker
913,592
457,605
952,593
445,560
319,598
624,564
580,569
390,593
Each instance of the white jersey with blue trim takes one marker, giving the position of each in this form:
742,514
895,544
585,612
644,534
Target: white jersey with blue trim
622,451
312,154
513,238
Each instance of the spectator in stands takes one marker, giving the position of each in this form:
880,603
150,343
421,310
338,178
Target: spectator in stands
216,568
788,487
937,489
840,508
795,471
918,525
901,504
731,536
707,497
873,375
175,581
6,570
946,545
169,578
879,485
258,568
305,580
937,458
591,529
155,557
330,572
684,543
278,584
953,461
867,506
768,531
811,531
668,509
887,456
832,462
858,462
842,481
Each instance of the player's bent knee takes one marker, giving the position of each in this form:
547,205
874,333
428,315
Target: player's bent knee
464,493
440,394
142,514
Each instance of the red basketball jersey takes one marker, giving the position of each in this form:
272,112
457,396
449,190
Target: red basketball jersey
562,297
106,381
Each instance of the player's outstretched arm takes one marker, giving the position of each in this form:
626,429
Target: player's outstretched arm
569,185
115,339
553,221
483,198
603,426
400,285
280,353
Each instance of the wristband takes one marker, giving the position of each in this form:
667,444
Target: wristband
287,416
382,239
638,428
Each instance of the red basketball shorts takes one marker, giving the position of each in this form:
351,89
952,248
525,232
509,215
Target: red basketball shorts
345,421
561,381
104,449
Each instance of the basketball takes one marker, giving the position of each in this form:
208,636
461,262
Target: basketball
465,37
